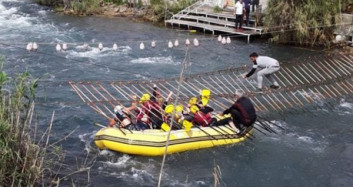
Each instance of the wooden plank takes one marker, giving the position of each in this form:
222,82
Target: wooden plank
218,15
215,21
211,27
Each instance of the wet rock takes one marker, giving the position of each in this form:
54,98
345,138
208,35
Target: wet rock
122,9
141,13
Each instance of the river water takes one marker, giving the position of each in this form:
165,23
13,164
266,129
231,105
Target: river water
313,150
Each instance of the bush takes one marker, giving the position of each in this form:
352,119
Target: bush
117,2
86,7
164,10
23,161
306,22
20,163
217,9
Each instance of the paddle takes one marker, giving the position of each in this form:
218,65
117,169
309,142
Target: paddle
271,122
266,127
99,125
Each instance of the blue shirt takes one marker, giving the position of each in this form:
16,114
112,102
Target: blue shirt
247,2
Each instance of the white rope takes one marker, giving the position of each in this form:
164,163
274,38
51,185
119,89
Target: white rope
171,125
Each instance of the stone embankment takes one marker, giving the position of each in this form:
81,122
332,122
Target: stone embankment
113,10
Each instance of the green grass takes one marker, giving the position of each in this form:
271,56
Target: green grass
26,157
19,156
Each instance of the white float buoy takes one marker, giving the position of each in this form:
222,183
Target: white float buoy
35,46
85,46
228,40
170,44
29,46
224,41
219,38
153,44
142,46
58,47
100,46
64,46
115,47
187,42
176,43
339,38
196,42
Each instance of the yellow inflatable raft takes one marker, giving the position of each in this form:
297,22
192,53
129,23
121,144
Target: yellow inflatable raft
152,142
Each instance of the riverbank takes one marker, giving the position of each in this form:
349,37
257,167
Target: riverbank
113,10
152,11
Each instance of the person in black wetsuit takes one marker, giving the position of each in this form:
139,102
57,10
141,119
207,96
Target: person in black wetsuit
242,111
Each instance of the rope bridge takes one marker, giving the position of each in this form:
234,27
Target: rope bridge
311,83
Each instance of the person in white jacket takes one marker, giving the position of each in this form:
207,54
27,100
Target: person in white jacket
268,66
238,12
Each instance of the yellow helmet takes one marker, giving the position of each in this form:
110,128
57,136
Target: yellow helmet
205,96
169,109
165,127
179,108
193,101
145,97
187,125
194,109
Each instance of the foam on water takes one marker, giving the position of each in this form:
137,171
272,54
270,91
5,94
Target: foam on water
94,52
11,20
122,162
155,60
106,152
300,140
87,139
345,108
144,172
42,12
305,142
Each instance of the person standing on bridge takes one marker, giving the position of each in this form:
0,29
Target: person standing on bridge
238,12
255,4
268,66
247,4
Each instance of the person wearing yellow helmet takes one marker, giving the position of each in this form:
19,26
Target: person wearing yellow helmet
169,111
151,109
200,118
202,104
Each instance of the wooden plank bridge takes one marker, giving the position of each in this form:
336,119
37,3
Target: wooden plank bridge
309,84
